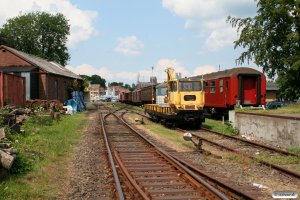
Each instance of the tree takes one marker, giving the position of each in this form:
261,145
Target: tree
272,40
116,84
38,33
95,79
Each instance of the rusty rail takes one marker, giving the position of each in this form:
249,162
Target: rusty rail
274,166
149,170
253,143
116,177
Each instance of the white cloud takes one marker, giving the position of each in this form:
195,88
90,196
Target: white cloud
204,70
86,69
131,76
129,46
81,27
209,17
163,64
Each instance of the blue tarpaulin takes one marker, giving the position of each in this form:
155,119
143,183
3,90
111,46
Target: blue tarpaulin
79,98
77,102
72,103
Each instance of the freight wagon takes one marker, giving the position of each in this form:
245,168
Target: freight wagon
148,94
12,90
136,97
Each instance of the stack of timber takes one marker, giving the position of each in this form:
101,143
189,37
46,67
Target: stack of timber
7,152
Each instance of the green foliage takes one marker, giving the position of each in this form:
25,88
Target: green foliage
38,33
272,40
3,112
218,126
231,129
41,165
116,84
295,149
21,165
95,79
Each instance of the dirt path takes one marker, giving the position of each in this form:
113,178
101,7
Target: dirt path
89,174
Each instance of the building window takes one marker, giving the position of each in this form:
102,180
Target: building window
212,86
221,86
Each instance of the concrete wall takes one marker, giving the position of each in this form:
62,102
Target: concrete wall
282,130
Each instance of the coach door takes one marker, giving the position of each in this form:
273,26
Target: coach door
248,86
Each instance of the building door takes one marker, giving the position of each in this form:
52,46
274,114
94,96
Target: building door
249,90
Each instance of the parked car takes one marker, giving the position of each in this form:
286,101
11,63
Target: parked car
275,104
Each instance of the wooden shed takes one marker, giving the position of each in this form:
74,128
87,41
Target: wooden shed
44,79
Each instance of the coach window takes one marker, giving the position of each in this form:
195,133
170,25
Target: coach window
205,83
212,86
221,86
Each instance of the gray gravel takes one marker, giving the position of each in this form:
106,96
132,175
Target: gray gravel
90,176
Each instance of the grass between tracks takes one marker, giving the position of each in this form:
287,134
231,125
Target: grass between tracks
40,167
169,134
218,126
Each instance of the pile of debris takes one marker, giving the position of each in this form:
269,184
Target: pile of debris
7,153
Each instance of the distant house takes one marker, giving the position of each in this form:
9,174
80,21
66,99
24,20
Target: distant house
96,91
44,79
271,92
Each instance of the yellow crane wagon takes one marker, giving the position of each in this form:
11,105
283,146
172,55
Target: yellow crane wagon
183,104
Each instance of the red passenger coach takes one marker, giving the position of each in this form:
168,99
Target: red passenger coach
242,86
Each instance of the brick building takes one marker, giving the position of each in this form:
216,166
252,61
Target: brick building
96,91
44,79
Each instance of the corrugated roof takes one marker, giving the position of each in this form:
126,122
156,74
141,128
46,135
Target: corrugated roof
50,67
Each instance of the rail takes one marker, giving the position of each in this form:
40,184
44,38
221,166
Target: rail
111,160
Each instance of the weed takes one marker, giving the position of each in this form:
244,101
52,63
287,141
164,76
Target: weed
21,164
279,159
217,126
295,149
231,129
42,148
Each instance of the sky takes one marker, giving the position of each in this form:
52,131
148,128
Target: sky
122,40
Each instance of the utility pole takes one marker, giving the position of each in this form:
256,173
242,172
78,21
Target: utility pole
152,84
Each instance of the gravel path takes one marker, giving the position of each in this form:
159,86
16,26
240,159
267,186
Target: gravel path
89,175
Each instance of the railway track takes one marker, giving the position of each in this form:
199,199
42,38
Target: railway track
151,170
243,148
241,140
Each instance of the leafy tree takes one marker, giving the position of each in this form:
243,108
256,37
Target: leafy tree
94,79
38,33
127,86
116,84
272,40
